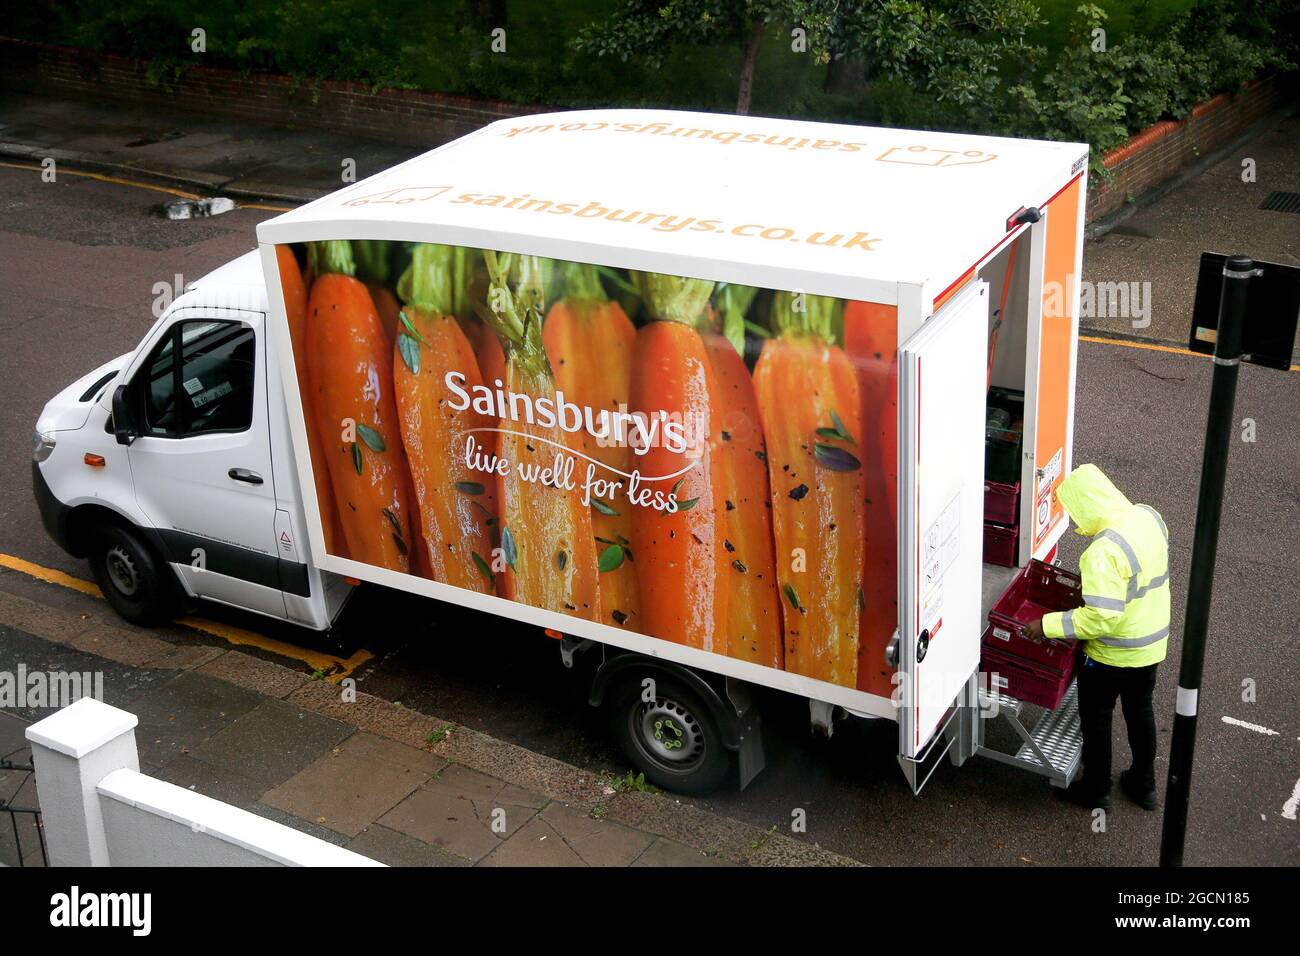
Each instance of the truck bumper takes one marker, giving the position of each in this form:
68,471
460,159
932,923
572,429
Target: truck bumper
55,515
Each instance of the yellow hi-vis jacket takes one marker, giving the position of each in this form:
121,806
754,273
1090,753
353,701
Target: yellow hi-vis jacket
1124,620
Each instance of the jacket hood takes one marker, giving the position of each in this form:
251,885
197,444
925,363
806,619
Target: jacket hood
1091,500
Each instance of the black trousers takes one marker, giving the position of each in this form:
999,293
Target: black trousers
1099,686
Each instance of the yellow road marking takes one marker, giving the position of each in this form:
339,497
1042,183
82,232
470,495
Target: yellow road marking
118,181
49,575
336,668
1152,347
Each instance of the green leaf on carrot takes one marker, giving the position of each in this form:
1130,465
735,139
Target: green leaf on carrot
482,566
410,327
611,558
603,508
410,350
356,457
469,488
791,595
833,458
839,427
374,441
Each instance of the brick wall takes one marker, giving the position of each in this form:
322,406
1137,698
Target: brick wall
401,116
1160,151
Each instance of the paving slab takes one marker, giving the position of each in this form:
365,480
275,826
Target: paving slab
186,712
299,824
464,812
397,849
272,742
536,844
229,787
355,783
597,842
671,853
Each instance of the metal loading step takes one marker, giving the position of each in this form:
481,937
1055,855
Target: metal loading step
1052,747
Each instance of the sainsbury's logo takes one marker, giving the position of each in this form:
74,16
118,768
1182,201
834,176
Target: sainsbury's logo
620,427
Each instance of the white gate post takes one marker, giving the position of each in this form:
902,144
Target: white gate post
73,750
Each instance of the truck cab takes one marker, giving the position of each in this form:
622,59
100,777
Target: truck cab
168,468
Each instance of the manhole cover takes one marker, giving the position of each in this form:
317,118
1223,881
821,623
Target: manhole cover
1281,202
198,208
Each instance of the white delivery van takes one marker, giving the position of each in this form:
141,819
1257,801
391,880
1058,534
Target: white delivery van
707,394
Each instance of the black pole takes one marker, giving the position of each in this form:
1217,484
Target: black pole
1237,273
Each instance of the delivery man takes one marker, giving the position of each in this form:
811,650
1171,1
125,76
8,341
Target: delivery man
1123,628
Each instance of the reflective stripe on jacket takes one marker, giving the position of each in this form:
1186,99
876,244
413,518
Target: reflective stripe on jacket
1124,620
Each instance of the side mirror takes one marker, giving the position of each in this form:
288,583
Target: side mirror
124,429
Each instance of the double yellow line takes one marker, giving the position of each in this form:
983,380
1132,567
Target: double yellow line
118,181
335,668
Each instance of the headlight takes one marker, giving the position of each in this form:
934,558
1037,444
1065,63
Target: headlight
42,446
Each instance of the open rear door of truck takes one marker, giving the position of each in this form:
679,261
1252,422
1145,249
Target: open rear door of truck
942,391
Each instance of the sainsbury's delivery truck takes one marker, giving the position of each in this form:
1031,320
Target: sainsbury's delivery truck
709,394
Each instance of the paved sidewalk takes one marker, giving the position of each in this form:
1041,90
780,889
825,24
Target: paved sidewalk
402,787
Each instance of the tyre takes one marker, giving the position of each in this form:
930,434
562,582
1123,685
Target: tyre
674,739
136,583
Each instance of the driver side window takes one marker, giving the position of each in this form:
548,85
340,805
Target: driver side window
200,380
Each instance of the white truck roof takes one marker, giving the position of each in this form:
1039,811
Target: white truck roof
842,210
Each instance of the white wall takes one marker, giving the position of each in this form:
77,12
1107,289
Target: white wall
99,810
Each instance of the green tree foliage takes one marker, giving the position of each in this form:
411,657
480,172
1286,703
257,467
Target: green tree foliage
651,29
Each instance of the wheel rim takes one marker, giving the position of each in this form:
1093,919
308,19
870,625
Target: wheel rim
122,571
669,735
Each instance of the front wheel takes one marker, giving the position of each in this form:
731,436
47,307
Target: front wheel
673,737
136,583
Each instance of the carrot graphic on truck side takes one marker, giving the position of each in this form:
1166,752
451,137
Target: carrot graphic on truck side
753,602
547,542
295,307
454,504
589,341
350,370
681,561
808,397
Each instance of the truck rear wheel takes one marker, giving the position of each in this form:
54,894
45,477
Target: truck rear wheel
135,582
673,739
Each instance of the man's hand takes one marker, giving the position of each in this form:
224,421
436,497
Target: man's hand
1034,631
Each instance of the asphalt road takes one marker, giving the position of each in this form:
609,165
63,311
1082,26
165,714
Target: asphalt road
79,259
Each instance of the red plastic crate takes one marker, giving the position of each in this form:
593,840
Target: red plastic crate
1037,590
1001,502
1025,681
1001,544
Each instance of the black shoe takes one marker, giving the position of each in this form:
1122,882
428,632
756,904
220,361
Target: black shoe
1085,796
1144,797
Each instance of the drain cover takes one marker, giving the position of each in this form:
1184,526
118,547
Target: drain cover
1281,202
198,208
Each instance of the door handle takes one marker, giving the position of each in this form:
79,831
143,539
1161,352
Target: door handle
243,474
